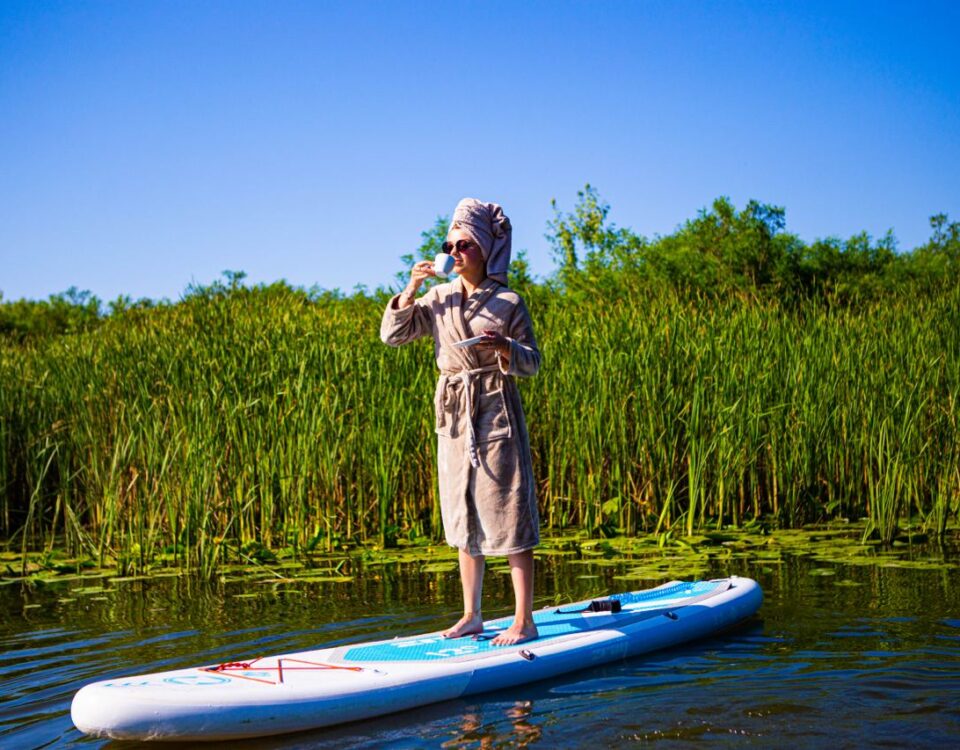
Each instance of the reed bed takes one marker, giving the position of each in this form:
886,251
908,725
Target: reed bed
235,423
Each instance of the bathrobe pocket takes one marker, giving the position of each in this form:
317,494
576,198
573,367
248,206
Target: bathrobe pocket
492,419
447,407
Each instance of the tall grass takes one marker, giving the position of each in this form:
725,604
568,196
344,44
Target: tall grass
252,419
726,411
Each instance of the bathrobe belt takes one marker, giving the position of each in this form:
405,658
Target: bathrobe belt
469,380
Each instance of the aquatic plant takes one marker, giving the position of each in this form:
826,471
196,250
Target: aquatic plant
272,416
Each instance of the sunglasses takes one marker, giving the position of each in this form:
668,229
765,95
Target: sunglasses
460,246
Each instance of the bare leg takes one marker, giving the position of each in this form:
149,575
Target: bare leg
471,578
523,627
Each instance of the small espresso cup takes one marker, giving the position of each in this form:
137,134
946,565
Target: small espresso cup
443,265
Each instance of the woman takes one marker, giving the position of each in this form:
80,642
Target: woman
487,495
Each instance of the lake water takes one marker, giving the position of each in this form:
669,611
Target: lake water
841,655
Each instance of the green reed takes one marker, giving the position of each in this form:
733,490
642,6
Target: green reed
233,423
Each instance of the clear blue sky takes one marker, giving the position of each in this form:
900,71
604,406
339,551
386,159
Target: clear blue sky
145,145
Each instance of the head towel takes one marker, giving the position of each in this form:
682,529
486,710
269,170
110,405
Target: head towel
490,229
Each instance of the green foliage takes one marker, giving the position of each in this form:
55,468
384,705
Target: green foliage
69,312
724,251
937,262
519,276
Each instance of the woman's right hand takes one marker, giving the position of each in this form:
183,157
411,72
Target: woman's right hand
421,272
418,274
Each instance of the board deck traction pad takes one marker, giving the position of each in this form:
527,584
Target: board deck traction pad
551,624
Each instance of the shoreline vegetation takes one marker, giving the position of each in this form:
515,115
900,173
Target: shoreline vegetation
725,376
834,549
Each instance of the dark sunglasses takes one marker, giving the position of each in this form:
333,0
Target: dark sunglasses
449,247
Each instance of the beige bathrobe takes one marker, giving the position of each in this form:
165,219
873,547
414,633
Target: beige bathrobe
487,495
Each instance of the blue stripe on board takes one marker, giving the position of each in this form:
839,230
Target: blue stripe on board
550,624
685,589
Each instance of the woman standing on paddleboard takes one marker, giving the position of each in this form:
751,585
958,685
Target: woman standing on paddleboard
487,496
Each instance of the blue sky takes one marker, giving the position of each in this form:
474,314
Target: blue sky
145,145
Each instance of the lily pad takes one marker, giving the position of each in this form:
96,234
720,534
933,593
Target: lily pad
440,567
88,590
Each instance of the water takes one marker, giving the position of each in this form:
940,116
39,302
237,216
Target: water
840,656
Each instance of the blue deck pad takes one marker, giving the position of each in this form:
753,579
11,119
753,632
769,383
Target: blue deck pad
550,624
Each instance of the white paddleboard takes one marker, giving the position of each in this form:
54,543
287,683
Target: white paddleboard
267,695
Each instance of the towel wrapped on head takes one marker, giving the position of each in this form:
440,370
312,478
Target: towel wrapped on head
490,229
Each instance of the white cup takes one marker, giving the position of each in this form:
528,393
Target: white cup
443,265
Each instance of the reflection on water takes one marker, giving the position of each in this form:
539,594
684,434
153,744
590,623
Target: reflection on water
516,727
860,656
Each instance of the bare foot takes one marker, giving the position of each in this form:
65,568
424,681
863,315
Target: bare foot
467,625
519,632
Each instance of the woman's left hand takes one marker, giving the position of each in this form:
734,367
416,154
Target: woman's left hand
496,341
